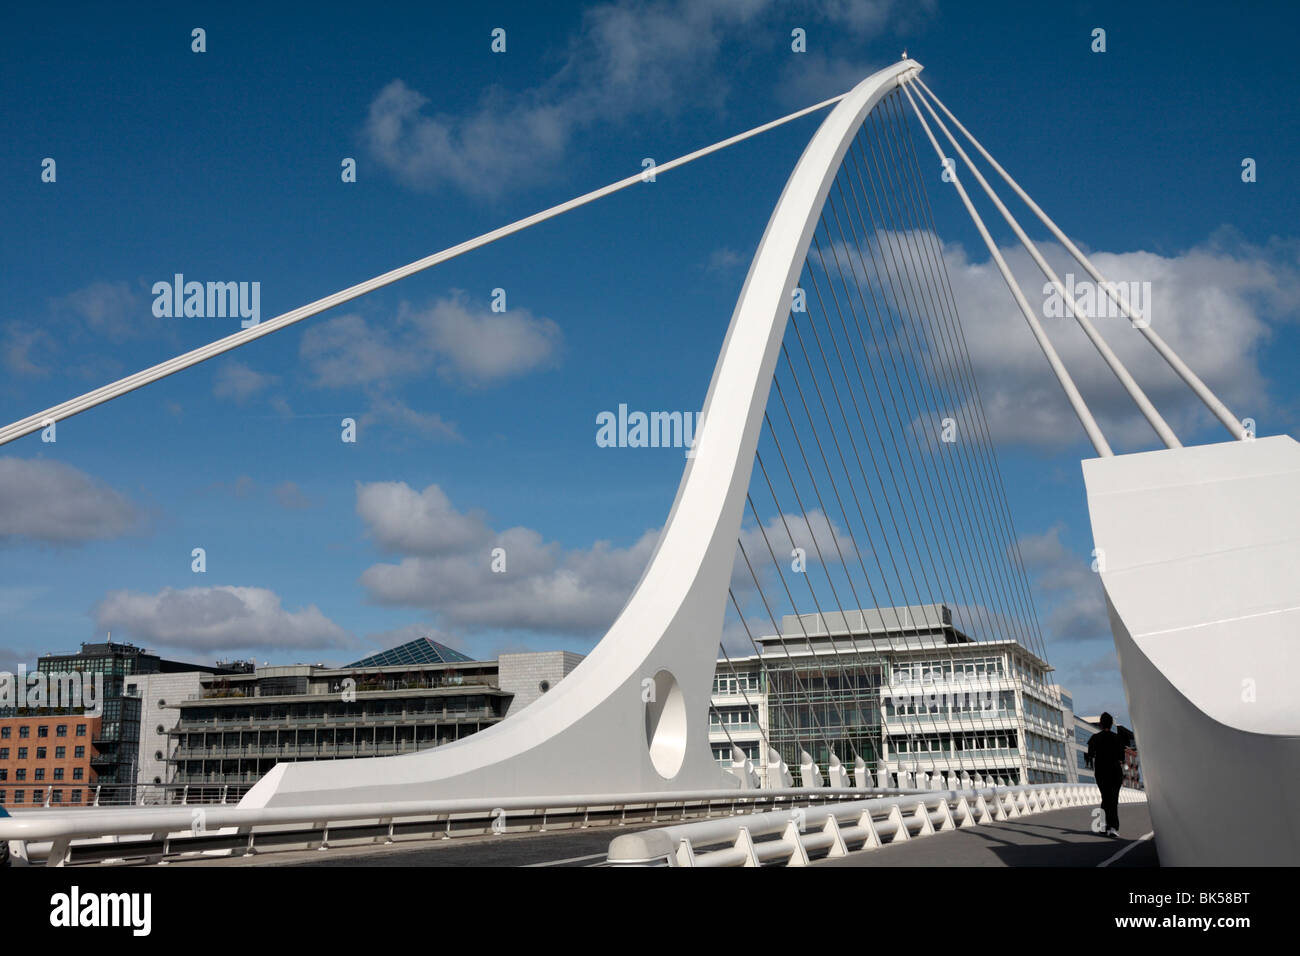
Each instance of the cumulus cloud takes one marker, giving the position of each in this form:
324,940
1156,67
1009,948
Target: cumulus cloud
446,566
109,310
817,76
1213,304
784,532
215,619
1067,587
54,503
465,343
102,313
628,58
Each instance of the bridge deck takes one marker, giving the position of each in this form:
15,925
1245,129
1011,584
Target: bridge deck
1056,838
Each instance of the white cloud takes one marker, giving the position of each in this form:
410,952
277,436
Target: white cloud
627,59
107,310
1212,304
447,567
288,495
239,382
817,76
425,523
102,313
781,534
463,342
723,260
54,503
478,346
1066,587
213,619
387,408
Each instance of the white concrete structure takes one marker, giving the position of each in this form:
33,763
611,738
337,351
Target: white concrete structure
530,675
1200,561
159,696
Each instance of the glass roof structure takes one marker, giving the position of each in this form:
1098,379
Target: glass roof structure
422,650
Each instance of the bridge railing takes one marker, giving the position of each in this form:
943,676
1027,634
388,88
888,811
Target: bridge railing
792,837
59,836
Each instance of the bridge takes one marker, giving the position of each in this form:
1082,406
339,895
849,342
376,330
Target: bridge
820,443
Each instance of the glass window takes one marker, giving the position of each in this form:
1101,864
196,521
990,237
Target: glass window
58,773
24,732
60,753
43,730
61,730
20,773
79,752
22,753
78,773
40,753
81,730
4,732
76,796
18,796
40,773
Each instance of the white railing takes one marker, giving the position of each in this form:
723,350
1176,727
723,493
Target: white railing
793,836
58,835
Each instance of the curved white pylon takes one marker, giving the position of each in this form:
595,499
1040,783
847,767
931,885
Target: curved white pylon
633,716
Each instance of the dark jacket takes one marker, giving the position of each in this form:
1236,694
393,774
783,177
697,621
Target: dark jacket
1105,753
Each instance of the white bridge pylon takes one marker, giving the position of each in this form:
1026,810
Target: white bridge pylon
634,715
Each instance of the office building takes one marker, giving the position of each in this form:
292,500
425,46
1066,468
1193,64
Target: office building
901,687
422,694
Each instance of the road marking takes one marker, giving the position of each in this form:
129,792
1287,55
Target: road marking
1141,839
572,859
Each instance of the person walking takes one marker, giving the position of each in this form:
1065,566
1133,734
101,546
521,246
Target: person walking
1106,758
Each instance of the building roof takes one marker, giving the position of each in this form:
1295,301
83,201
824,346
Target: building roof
422,650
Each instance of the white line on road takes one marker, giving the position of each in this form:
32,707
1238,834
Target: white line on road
572,859
1142,839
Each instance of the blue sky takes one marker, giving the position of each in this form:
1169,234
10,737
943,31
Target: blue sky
478,426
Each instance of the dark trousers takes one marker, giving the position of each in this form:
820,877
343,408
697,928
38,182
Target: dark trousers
1109,785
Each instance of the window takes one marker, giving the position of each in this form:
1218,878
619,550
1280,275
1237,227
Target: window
61,730
79,752
58,773
24,732
22,753
4,753
4,732
40,773
76,796
18,796
43,730
20,773
57,797
2,793
4,773
78,773
60,753
81,730
40,753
